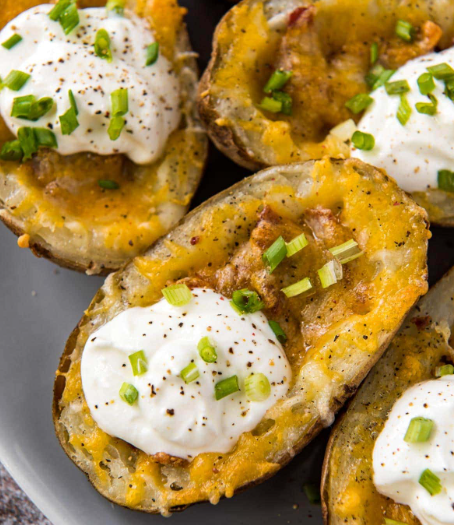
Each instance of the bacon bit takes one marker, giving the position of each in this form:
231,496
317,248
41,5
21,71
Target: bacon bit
195,240
396,203
422,322
295,15
24,241
215,470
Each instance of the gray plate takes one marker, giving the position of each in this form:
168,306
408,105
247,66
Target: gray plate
40,306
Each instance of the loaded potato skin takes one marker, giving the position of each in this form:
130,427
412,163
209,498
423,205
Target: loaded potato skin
334,334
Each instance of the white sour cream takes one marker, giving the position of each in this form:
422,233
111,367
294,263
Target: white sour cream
59,63
398,465
170,416
412,154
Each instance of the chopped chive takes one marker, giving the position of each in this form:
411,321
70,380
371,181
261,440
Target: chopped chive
16,80
119,102
129,393
431,482
102,45
246,301
207,351
177,294
381,80
138,362
441,71
428,108
58,9
296,245
69,122
426,83
405,30
297,288
226,387
444,370
72,101
363,141
312,492
346,252
359,103
69,19
446,180
330,273
418,430
12,41
277,80
373,53
117,6
116,127
45,138
28,108
271,104
152,54
285,99
397,88
374,73
278,332
28,142
275,254
11,151
257,387
108,185
403,111
190,373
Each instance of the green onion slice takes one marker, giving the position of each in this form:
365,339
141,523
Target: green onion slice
441,71
257,387
382,78
152,54
69,122
397,88
69,19
116,6
108,184
446,180
11,151
28,142
246,301
373,53
190,373
275,254
444,370
102,45
426,83
286,100
16,80
346,252
330,273
431,482
72,101
28,108
428,108
312,492
296,245
298,288
116,127
226,387
277,80
129,393
119,102
278,332
177,294
45,138
403,111
418,430
138,362
60,6
363,141
405,30
271,104
12,41
207,350
359,103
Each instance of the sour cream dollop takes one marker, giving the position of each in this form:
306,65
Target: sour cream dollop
398,465
58,63
170,416
412,154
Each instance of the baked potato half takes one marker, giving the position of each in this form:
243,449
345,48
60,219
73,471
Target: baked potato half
334,334
329,66
55,202
422,344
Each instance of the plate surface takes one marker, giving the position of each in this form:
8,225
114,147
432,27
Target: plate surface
39,307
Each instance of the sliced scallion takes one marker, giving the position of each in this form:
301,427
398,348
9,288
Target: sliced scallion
11,151
246,301
119,102
428,108
382,78
129,393
257,387
296,245
12,41
397,88
277,80
69,19
373,53
28,142
363,141
116,6
330,273
426,83
278,332
72,101
449,88
346,252
190,373
28,108
68,122
275,254
359,103
16,80
418,430
285,99
444,370
45,138
431,482
271,104
138,362
152,54
102,45
177,294
115,128
446,180
207,351
226,387
297,288
404,110
405,30
312,492
108,185
58,9
441,71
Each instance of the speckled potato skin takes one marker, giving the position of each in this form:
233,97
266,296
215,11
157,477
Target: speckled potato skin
329,359
348,493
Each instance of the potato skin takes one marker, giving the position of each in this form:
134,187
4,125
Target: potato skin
302,187
348,492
